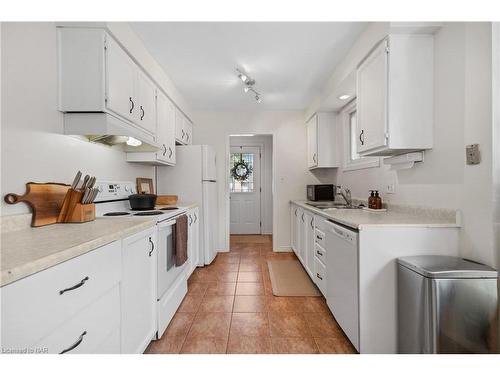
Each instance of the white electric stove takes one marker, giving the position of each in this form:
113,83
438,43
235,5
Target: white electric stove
171,281
112,201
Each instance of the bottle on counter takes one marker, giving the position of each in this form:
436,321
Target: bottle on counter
371,199
377,201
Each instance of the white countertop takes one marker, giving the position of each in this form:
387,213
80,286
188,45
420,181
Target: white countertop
397,216
25,250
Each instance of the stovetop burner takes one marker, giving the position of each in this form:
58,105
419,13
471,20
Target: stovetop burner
148,213
116,214
169,208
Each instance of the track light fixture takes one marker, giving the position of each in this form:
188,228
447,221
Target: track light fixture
248,82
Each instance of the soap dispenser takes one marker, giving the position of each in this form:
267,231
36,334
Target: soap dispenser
371,199
377,201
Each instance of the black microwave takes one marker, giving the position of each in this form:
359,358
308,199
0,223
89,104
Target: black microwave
324,192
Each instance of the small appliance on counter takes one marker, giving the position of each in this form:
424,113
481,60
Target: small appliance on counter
323,192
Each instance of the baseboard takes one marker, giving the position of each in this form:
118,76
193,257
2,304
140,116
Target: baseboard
283,249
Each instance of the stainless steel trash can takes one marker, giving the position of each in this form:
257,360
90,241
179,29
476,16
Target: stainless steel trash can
446,305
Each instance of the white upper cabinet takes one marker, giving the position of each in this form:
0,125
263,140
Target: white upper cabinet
165,135
395,96
166,129
321,141
121,74
183,129
146,101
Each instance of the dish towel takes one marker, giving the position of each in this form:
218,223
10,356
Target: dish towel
181,239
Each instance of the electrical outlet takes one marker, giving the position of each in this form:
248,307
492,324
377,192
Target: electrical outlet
473,154
390,189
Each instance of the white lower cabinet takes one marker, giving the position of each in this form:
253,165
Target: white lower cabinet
53,308
193,239
138,291
89,331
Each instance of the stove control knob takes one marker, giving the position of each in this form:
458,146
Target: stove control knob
127,188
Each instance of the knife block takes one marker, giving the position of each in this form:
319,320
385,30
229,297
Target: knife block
82,213
73,211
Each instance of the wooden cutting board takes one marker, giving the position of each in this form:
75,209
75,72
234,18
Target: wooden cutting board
45,200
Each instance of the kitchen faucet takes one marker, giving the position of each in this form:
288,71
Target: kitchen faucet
346,194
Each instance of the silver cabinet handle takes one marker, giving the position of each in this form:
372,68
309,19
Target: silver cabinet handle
164,149
315,158
319,253
295,212
195,218
362,137
183,133
76,344
152,246
80,284
312,223
142,112
171,152
187,137
132,104
319,276
190,219
302,217
319,237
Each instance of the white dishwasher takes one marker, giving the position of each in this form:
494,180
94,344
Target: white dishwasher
342,278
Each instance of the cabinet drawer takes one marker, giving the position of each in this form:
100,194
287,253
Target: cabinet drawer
88,331
34,306
320,275
320,237
319,252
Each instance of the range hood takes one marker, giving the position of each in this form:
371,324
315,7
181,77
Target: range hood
105,128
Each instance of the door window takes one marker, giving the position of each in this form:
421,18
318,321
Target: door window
241,173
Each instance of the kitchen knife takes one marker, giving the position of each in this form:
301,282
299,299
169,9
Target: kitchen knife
76,180
85,182
85,197
91,182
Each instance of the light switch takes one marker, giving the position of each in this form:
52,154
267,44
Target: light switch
473,154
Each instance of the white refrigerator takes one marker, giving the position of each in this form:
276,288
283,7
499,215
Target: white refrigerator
193,180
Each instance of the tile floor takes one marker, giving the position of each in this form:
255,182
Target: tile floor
230,308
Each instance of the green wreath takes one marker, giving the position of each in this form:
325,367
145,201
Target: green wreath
241,170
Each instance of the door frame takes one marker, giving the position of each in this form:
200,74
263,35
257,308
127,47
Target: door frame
273,183
260,146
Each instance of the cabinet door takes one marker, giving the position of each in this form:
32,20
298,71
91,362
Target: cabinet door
371,102
165,129
312,142
302,234
138,291
195,240
180,132
121,75
190,263
293,227
309,253
146,97
188,128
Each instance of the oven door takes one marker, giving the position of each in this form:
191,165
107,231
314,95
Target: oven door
167,271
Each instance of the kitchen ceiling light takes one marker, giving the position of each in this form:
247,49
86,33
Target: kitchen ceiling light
249,82
131,141
344,97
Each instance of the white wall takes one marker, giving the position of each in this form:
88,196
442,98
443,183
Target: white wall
32,145
289,153
266,144
462,115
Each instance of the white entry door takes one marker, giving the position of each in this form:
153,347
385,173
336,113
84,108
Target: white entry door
245,190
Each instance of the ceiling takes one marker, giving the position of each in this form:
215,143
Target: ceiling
290,61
